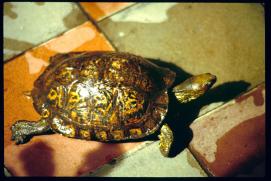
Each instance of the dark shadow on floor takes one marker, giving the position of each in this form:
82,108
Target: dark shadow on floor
106,153
180,116
38,160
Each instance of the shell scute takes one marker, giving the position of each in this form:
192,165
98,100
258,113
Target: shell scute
103,95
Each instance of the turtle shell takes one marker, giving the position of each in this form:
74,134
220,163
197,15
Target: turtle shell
102,95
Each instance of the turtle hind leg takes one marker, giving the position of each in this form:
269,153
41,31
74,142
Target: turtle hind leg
166,139
23,130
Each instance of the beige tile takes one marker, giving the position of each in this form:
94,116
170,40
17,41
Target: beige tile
27,24
148,162
226,39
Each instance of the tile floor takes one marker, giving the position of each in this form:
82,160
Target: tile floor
189,38
28,24
231,136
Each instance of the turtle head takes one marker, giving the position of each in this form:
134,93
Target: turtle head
194,87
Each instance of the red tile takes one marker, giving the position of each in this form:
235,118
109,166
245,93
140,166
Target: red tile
98,10
50,155
231,138
56,155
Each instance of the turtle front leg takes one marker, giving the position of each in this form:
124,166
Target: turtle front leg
166,140
23,130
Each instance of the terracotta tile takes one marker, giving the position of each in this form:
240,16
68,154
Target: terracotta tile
231,138
98,10
56,155
50,154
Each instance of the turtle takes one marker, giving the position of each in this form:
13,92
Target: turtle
106,96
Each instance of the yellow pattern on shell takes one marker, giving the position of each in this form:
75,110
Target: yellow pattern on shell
55,96
74,98
52,95
118,134
102,135
116,65
70,130
45,113
73,115
65,76
135,132
85,134
132,103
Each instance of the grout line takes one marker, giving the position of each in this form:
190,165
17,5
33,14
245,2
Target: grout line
228,103
204,168
92,20
41,43
55,36
89,18
95,23
119,11
123,156
231,101
130,153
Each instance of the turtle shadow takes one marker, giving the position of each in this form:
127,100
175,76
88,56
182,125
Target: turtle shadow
38,160
98,157
180,116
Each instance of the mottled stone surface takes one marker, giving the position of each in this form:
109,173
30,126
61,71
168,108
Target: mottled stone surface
231,138
148,162
27,24
226,39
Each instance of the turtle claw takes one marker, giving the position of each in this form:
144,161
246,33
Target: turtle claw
20,132
20,139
